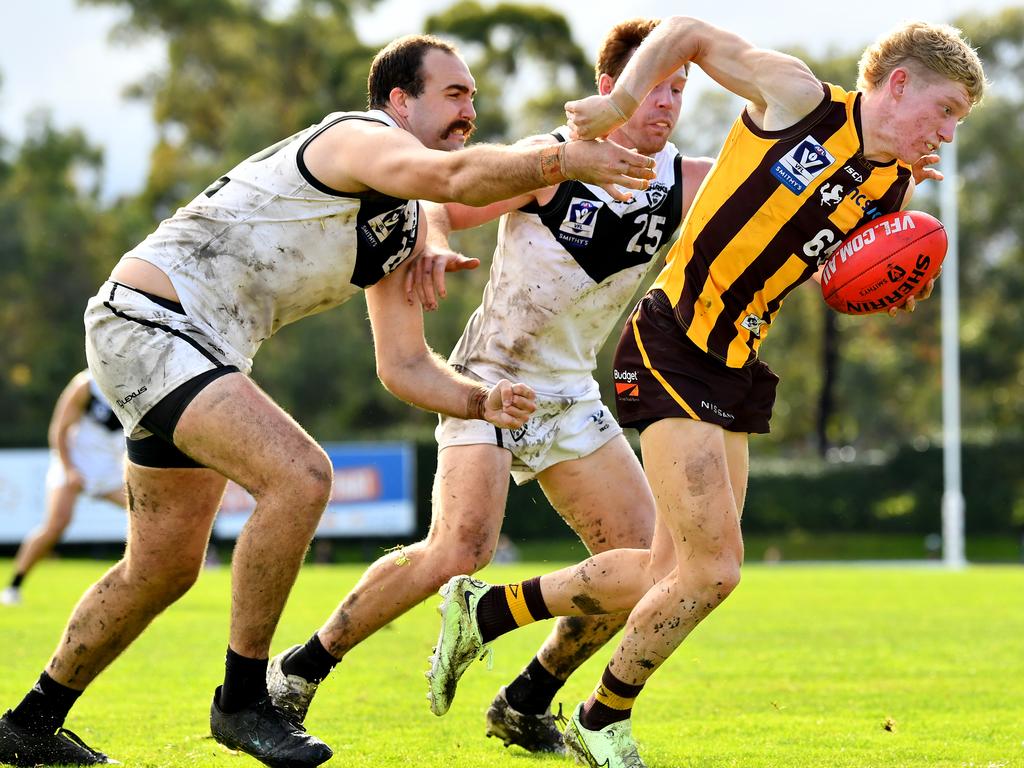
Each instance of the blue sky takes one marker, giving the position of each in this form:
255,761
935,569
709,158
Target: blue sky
56,55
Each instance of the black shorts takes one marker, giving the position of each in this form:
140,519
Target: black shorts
661,374
158,449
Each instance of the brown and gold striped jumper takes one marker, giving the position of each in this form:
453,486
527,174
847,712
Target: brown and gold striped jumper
773,206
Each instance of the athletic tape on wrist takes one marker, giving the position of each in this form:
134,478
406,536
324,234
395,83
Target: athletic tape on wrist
475,405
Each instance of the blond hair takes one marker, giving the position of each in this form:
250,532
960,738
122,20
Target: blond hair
940,48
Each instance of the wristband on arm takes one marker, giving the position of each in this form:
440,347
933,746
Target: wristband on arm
476,402
622,102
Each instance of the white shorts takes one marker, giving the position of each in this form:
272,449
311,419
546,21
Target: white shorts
97,453
139,351
561,429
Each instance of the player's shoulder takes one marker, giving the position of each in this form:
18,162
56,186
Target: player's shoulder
361,133
696,165
374,121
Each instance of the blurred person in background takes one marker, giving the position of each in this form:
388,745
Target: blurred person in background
86,456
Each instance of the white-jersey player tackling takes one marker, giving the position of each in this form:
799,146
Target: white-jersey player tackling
569,258
293,230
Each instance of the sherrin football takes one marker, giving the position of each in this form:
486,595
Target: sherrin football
883,262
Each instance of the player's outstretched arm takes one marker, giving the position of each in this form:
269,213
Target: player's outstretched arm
426,278
412,372
780,89
356,155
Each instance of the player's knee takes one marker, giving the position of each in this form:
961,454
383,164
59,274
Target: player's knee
308,481
162,582
178,581
465,547
54,527
723,578
628,534
468,557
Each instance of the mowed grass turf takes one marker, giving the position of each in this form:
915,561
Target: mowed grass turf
802,666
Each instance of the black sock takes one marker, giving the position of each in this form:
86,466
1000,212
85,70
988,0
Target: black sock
245,682
493,616
45,708
611,702
16,581
311,661
532,692
502,608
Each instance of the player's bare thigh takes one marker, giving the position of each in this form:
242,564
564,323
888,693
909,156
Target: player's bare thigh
233,427
691,466
604,497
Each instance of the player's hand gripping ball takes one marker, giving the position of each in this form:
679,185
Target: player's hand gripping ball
883,262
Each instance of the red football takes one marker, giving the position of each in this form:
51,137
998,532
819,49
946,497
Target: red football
883,262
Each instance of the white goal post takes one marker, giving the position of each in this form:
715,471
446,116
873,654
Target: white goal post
952,495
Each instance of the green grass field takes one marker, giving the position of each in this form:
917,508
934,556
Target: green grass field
803,666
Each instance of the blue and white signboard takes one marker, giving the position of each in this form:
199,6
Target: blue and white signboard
23,502
372,496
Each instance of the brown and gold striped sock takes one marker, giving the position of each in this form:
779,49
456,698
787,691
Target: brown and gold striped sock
507,606
611,702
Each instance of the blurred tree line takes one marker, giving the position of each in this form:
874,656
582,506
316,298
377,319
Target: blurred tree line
240,74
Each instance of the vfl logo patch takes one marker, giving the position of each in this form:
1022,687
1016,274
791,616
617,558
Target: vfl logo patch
598,418
802,165
581,218
753,324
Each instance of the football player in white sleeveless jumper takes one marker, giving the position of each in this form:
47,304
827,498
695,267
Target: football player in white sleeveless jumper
296,229
569,258
86,456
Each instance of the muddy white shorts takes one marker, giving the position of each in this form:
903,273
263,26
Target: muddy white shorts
97,453
561,429
141,347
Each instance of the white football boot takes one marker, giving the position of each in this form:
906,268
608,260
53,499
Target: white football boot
610,747
459,643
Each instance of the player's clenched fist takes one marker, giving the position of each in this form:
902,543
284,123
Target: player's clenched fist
509,405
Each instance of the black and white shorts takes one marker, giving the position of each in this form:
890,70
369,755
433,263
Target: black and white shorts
143,348
561,429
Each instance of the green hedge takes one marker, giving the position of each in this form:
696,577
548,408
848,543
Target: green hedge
900,494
